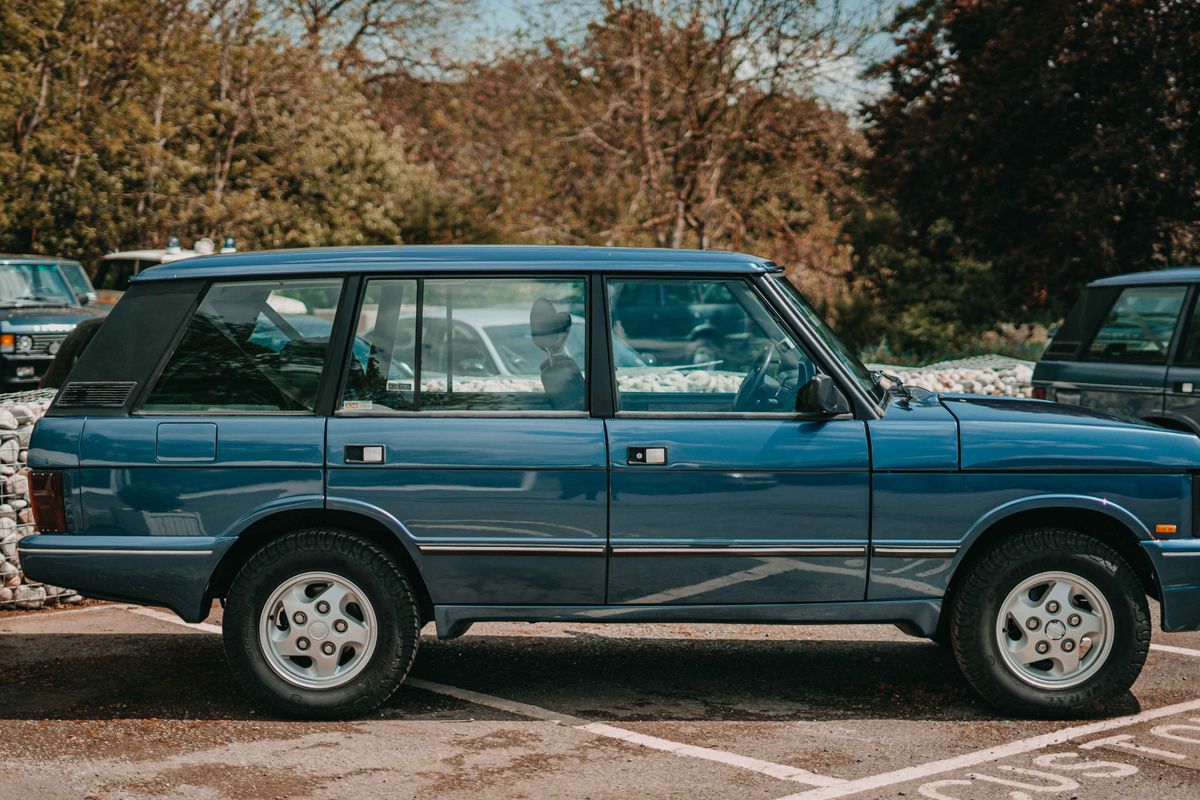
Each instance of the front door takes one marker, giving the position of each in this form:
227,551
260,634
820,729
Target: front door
464,418
721,492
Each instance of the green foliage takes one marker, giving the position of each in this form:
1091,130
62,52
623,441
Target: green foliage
919,295
127,122
1059,138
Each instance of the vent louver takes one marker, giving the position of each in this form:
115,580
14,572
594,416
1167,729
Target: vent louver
106,394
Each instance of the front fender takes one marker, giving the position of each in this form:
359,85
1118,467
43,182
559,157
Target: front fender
1055,501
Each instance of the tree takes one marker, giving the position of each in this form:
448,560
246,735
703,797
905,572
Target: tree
1060,139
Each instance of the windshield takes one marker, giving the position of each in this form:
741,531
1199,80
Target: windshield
521,356
34,285
821,328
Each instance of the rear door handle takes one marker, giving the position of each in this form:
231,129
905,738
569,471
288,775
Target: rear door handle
650,456
365,453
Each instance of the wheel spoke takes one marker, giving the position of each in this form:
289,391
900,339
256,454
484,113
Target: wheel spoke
1064,663
296,650
1024,651
1060,592
1023,609
1090,625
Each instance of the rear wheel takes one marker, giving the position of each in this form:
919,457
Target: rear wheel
320,624
1050,623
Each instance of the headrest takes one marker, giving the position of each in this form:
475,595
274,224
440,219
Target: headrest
548,326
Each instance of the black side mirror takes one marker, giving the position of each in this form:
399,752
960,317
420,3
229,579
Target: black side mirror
822,396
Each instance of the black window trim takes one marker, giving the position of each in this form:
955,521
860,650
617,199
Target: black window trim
148,388
451,274
1085,354
1186,319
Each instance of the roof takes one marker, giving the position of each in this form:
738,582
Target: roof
7,258
162,256
1168,275
482,258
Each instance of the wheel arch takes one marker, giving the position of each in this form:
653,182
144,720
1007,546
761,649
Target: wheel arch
1105,522
378,528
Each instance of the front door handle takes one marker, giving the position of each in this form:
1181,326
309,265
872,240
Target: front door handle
652,456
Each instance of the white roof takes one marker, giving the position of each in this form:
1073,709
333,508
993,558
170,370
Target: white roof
161,256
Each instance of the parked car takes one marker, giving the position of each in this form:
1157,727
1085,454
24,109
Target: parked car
675,323
117,269
207,445
1131,346
39,307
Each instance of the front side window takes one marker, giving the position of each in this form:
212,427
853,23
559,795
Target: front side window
77,278
254,346
1139,326
486,344
724,352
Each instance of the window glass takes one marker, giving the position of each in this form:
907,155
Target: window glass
251,346
714,348
33,285
1139,326
820,327
1189,345
485,345
77,278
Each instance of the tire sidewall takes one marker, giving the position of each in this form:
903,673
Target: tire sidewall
1105,577
254,585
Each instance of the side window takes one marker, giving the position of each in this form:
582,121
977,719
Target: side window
1189,344
257,346
506,344
1139,326
732,356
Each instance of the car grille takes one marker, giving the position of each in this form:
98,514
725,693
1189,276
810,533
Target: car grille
43,343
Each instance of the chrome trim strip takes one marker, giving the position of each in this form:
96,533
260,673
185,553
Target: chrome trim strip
92,551
702,550
512,549
1179,554
915,551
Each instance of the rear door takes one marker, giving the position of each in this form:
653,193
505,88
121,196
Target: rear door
1182,404
500,480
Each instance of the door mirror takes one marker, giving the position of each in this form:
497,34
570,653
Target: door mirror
822,396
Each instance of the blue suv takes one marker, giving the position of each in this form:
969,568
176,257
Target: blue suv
308,437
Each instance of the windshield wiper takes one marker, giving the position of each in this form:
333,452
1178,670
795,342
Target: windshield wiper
34,300
894,380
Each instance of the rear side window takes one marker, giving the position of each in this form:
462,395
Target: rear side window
496,344
1139,326
255,346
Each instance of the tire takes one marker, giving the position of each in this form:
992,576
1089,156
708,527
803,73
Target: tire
365,613
1019,579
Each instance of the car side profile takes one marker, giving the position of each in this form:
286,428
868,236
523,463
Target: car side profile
1131,346
307,436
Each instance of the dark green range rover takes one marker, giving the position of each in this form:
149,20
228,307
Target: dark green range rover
42,299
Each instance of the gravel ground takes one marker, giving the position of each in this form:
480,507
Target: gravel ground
103,702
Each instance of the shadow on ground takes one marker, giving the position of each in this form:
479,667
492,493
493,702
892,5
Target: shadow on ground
134,676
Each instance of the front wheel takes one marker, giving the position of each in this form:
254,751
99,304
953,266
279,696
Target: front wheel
320,624
1050,623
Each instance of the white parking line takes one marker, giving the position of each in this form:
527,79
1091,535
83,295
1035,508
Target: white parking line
780,771
154,613
42,616
922,771
1182,651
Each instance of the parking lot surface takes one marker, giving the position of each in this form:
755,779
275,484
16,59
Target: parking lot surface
113,702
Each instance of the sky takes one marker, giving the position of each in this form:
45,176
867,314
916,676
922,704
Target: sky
842,84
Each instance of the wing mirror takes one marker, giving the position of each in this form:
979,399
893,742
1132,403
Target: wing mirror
822,396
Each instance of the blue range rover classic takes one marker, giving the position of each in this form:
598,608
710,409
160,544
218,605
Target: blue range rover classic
322,440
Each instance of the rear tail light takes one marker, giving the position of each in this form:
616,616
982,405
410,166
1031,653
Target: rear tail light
1039,393
49,508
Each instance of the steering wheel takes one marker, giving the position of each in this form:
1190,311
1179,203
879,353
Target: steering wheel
744,400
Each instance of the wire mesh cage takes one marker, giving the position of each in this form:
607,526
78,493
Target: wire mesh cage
18,413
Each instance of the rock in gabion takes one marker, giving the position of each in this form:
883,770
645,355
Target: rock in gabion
994,375
18,413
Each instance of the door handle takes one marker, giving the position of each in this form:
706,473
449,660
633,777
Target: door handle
651,456
365,453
